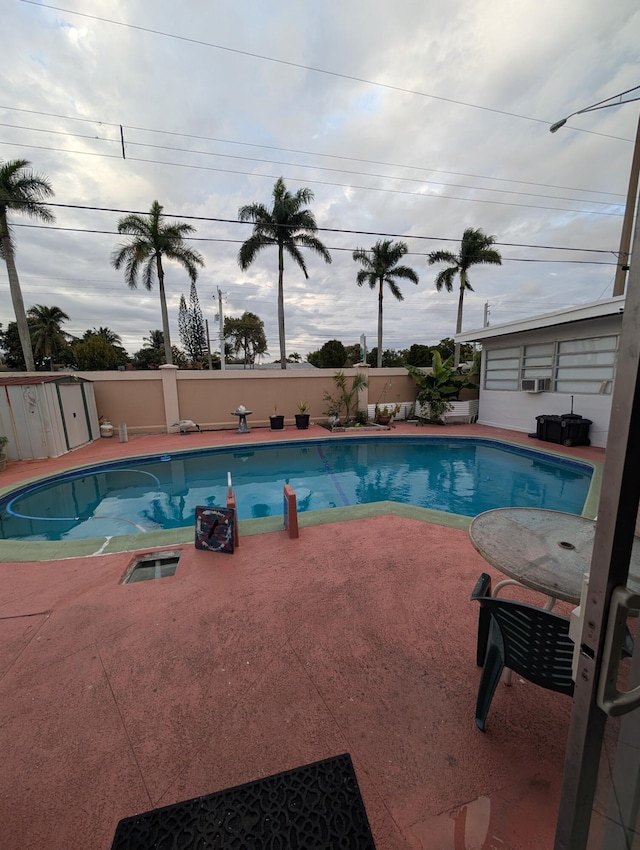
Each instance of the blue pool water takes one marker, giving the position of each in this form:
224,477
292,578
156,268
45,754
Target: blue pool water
460,476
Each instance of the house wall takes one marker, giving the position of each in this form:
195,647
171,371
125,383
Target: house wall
518,410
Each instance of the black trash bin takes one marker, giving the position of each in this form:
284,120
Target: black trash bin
567,430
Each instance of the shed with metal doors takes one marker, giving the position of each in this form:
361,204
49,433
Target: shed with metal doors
46,415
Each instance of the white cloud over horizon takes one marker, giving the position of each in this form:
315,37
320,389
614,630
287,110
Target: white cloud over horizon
208,129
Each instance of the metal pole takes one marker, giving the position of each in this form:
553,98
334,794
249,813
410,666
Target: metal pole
617,512
627,223
206,324
222,364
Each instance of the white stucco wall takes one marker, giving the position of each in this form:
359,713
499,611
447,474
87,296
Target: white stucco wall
518,410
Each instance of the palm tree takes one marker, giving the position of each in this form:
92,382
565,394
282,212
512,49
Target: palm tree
475,249
47,337
247,336
151,240
21,191
112,339
288,226
107,335
380,267
155,340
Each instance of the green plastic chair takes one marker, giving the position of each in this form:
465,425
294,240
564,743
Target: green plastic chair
530,641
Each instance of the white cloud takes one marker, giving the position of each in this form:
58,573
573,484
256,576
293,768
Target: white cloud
65,74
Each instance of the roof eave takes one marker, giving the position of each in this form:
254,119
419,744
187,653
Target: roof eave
595,310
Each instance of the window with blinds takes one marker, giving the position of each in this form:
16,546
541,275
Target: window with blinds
571,366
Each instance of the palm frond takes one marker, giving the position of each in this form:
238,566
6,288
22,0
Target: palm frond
253,212
395,289
405,273
134,225
363,276
188,258
22,190
489,255
150,271
294,252
442,257
250,249
445,278
307,240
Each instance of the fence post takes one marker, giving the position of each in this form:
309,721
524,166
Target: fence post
363,392
290,512
231,505
169,374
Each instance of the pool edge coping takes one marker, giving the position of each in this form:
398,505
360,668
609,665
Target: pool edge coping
16,551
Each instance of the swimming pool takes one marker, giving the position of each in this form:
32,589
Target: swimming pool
456,475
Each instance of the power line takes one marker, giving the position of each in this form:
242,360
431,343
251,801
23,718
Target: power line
321,229
55,132
333,170
306,165
295,150
365,173
321,182
302,67
330,230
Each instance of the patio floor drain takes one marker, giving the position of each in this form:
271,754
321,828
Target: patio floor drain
151,566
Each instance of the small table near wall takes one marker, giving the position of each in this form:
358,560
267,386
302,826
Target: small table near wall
547,551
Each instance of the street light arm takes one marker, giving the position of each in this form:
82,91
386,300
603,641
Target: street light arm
601,104
630,206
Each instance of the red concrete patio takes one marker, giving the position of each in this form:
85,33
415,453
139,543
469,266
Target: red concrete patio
359,636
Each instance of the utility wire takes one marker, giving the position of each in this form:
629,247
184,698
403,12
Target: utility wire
296,151
367,174
324,182
345,185
302,67
329,247
322,229
327,168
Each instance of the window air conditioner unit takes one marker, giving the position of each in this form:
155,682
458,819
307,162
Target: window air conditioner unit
535,385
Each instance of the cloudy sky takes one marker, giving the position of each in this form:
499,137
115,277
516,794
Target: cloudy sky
414,119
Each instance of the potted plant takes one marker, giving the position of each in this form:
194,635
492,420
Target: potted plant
383,415
341,408
276,422
3,457
302,418
440,388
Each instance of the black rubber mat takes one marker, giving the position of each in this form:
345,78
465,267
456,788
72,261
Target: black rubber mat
314,807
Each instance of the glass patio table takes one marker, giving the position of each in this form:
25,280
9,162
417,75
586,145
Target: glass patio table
547,551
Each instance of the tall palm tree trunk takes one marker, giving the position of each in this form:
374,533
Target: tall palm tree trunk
16,295
283,344
380,324
456,351
163,309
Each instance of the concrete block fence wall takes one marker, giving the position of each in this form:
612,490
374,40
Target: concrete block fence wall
152,401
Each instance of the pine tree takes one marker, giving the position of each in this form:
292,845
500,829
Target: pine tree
191,326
